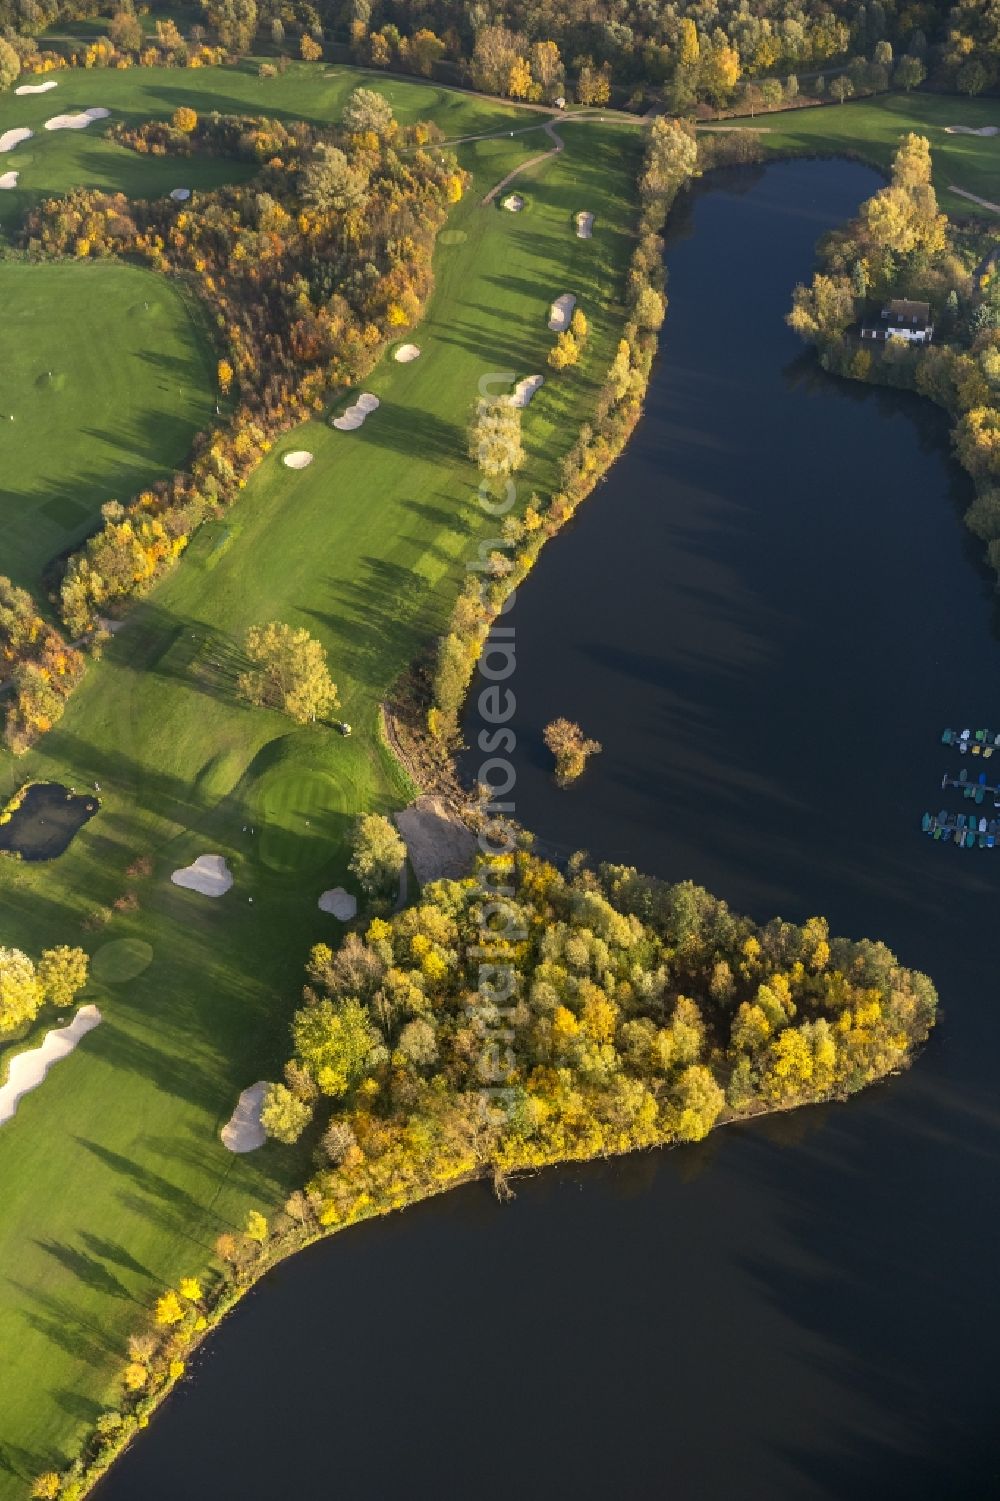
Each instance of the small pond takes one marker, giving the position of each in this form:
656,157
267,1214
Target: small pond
46,822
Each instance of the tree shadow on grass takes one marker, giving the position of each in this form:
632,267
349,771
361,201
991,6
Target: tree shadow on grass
415,433
87,1269
110,1250
387,610
153,1184
58,1319
84,1409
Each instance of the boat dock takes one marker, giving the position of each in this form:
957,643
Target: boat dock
964,830
976,791
972,742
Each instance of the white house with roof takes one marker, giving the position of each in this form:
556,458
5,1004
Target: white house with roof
901,319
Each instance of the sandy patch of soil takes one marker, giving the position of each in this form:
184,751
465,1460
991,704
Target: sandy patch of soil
299,458
209,875
407,353
439,844
243,1131
513,203
561,311
972,130
8,179
584,226
28,1069
180,195
37,88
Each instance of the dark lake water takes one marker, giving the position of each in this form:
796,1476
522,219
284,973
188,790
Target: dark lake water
766,614
47,821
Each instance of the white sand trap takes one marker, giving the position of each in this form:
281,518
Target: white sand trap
243,1131
37,88
525,390
180,195
339,903
584,226
971,130
406,353
28,1069
76,122
299,458
12,138
560,312
209,875
513,203
355,415
8,179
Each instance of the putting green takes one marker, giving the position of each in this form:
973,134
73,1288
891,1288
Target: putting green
303,819
121,960
105,379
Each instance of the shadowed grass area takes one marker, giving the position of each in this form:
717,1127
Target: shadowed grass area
105,378
114,1181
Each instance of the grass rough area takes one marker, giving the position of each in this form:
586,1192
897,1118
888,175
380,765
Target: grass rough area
870,129
108,377
113,1176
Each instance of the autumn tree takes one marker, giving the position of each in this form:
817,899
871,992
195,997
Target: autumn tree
309,49
283,1115
125,31
333,183
366,110
910,73
494,54
495,436
547,67
571,749
379,854
20,991
184,120
235,21
336,1043
823,308
426,48
62,973
671,158
289,673
10,65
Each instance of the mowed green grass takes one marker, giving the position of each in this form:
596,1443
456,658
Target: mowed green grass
105,377
113,1179
871,128
54,162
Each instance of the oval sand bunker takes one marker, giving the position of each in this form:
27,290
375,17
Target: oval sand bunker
37,88
339,903
299,458
8,179
209,875
584,226
561,311
180,195
243,1131
525,390
407,352
12,138
28,1070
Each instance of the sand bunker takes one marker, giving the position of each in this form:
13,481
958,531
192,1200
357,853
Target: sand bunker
299,458
339,903
28,1069
525,390
513,203
209,875
76,122
180,195
37,88
243,1131
8,179
407,352
12,138
584,226
560,312
972,130
354,416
